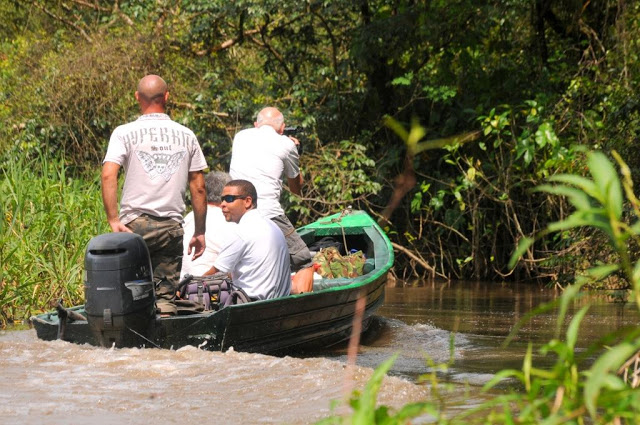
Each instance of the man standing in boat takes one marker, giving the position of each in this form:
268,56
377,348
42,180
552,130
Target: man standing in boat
160,158
256,253
262,155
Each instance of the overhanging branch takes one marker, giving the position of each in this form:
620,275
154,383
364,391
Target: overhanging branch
82,32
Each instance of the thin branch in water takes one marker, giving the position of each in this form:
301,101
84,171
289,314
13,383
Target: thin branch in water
418,259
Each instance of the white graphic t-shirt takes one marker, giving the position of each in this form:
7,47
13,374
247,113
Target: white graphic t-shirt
157,155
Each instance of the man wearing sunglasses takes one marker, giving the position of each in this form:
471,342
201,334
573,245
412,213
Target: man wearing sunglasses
256,253
263,155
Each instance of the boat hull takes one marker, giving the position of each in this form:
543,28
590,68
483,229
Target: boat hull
279,326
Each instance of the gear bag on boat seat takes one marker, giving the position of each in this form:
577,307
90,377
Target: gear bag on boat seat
215,291
224,293
198,292
326,242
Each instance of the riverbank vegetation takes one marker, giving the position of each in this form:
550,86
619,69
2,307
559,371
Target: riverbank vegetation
599,385
533,81
529,84
48,218
439,117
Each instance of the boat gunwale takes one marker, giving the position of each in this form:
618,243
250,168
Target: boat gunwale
329,222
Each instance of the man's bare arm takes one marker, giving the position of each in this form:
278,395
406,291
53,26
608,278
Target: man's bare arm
110,196
295,184
199,205
211,271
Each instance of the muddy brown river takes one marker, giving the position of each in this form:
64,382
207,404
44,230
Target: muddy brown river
61,383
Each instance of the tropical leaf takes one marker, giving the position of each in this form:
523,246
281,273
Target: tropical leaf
365,413
588,186
446,141
526,367
636,275
396,127
501,376
601,376
606,179
576,197
412,410
523,245
577,219
574,327
570,294
417,132
598,273
594,218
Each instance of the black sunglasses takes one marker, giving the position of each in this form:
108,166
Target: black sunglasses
230,198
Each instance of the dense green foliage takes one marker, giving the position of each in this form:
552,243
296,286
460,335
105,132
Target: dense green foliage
48,218
532,80
440,116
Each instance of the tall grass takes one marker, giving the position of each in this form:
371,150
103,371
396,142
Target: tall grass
47,219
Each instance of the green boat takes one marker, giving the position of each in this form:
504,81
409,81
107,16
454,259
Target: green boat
285,325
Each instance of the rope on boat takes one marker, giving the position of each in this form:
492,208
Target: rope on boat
338,219
144,337
344,212
344,240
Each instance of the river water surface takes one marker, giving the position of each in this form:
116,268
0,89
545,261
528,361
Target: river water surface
61,383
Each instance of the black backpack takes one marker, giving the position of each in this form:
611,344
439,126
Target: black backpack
326,242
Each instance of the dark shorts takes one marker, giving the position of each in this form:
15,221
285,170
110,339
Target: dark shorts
164,240
299,254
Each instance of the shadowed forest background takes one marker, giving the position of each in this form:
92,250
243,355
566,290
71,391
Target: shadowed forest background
536,82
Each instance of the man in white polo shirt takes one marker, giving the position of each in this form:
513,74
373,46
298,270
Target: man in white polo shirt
256,253
160,158
217,227
263,155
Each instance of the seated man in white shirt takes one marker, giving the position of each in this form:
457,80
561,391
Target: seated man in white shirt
217,227
256,254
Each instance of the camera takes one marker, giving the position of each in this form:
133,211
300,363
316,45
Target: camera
294,131
291,131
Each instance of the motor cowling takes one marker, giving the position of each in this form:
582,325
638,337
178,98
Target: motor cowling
119,290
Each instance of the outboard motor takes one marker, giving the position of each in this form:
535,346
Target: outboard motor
119,290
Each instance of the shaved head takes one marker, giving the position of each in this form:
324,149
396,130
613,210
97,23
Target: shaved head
272,117
152,89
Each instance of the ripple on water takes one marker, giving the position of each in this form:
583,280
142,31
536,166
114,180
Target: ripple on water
58,383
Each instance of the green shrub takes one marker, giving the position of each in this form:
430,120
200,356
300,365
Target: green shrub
47,220
575,389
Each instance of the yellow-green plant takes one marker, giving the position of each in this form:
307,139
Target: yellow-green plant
365,412
575,389
47,220
598,203
571,391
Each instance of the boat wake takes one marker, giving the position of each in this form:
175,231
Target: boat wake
420,347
